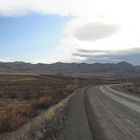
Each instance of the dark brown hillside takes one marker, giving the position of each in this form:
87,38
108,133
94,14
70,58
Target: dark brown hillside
69,68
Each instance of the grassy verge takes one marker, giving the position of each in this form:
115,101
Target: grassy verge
23,97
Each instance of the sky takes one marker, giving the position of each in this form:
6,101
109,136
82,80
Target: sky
48,31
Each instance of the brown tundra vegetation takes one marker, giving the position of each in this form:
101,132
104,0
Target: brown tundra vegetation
23,97
133,86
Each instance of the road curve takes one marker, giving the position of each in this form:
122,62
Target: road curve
113,115
102,113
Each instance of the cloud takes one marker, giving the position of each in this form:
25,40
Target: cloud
5,59
131,58
95,31
62,8
100,29
92,51
90,56
103,60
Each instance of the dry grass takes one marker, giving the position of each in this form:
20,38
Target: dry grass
22,97
134,86
15,117
43,102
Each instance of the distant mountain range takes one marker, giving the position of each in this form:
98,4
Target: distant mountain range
69,68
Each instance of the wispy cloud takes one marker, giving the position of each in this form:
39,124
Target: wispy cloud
87,51
5,59
63,7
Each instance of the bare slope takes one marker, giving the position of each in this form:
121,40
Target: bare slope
69,68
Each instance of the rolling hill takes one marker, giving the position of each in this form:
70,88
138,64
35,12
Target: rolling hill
69,68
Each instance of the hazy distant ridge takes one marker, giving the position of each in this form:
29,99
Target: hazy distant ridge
67,68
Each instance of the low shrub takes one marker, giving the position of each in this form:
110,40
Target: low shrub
4,122
14,118
19,116
43,102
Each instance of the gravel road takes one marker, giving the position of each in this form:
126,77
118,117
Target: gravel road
102,113
77,127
